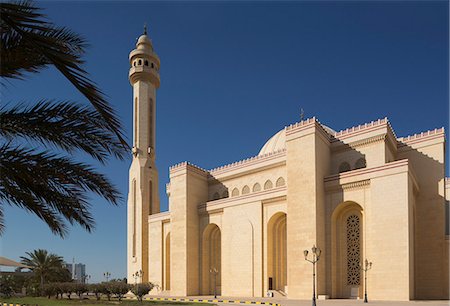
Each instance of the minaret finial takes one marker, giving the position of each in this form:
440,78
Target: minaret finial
302,114
145,28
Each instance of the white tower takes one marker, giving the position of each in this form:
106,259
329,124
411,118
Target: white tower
143,198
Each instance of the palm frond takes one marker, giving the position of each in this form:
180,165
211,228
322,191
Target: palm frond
63,124
29,43
51,186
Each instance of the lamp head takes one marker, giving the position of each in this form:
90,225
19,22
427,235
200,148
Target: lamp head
305,252
318,252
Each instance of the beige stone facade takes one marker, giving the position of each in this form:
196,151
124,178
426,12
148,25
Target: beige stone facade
240,229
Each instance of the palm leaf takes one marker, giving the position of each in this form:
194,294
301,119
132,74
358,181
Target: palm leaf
52,187
30,43
64,124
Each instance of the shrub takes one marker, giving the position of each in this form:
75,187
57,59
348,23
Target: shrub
106,290
97,290
48,290
140,290
67,288
6,285
119,288
79,289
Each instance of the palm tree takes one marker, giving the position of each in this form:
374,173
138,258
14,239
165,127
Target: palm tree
53,186
44,265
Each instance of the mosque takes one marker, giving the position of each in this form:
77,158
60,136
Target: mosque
240,230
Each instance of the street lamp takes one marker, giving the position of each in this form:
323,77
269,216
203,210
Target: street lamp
214,271
367,267
107,275
316,256
139,274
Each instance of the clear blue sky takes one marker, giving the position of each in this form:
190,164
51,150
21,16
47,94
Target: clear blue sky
233,74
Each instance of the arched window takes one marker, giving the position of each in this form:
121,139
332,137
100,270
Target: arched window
245,190
216,196
268,184
134,63
280,182
225,194
136,116
360,163
146,63
139,62
150,124
152,65
235,192
256,187
344,167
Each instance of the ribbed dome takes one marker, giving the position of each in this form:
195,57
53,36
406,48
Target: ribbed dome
275,143
278,141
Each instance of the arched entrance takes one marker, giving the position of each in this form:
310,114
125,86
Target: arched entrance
167,263
276,253
211,260
347,248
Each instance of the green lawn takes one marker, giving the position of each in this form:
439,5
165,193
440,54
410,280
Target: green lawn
91,302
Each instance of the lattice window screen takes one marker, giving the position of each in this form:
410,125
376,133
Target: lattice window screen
353,250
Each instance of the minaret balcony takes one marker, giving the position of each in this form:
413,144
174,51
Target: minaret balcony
144,73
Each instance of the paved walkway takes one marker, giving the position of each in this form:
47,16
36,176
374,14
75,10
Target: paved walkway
289,302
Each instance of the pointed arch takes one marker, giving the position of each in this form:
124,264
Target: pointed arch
277,252
280,182
167,263
235,192
268,185
211,259
347,252
245,190
256,187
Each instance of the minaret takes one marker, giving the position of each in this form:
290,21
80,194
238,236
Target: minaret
143,199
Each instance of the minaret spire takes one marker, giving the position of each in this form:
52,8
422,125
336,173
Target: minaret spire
143,197
145,28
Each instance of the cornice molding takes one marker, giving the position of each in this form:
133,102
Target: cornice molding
356,185
359,143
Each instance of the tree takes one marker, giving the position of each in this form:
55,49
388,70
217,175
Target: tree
142,289
44,265
97,289
50,185
119,288
80,289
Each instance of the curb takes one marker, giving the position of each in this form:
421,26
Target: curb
10,304
213,301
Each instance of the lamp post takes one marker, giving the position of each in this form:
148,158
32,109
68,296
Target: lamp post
214,271
139,274
316,256
367,266
107,275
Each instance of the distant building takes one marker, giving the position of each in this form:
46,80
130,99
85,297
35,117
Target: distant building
78,271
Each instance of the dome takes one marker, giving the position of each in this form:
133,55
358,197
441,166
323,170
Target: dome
143,41
278,141
275,143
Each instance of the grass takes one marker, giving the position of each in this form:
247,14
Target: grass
42,301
